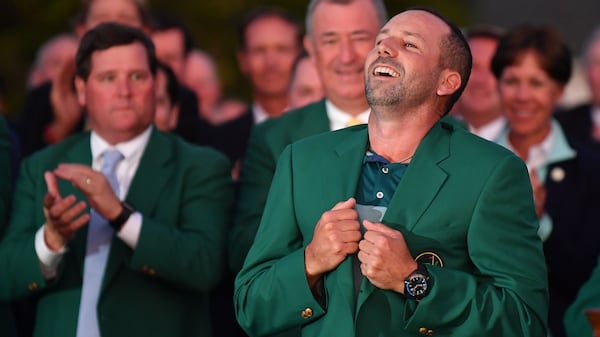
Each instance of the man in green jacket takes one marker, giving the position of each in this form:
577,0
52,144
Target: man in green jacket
339,35
407,226
128,247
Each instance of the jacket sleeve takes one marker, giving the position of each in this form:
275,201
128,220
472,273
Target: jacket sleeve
17,253
271,290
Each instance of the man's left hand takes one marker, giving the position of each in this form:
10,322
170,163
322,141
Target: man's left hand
94,186
384,256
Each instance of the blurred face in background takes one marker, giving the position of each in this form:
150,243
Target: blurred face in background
271,46
592,70
167,113
480,98
201,76
306,86
341,38
170,49
52,59
121,11
529,96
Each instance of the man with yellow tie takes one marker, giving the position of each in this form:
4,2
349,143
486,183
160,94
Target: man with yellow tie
339,35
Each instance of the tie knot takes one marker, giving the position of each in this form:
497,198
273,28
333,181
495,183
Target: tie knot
353,121
111,159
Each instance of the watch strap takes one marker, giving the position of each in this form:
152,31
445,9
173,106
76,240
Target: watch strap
118,222
422,274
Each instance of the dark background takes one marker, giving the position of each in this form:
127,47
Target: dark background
26,24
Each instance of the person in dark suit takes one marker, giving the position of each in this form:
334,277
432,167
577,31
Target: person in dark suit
399,227
582,123
132,250
269,40
533,65
344,104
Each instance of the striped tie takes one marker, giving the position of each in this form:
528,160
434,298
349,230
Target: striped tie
98,245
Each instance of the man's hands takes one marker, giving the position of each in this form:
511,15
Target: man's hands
385,258
336,236
64,215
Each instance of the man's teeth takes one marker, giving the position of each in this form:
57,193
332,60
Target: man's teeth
385,71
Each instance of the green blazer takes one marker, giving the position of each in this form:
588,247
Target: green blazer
588,297
183,192
7,327
462,198
267,141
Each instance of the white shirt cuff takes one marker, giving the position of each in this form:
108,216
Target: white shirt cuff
49,259
130,232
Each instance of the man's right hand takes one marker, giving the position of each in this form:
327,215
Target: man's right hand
63,215
336,236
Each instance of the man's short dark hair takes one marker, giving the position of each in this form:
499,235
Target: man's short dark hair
552,52
455,53
107,35
84,11
161,21
267,12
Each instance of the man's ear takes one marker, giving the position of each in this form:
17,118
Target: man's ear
308,46
450,82
174,117
80,88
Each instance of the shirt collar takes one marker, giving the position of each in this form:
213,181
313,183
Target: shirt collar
596,115
554,148
259,113
491,130
338,119
130,149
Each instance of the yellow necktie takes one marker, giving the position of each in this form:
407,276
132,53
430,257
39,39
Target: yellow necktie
353,121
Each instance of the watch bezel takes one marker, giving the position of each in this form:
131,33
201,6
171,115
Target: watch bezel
418,283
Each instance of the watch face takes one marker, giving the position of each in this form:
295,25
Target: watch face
417,285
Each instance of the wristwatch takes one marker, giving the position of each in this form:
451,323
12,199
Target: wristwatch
118,222
418,284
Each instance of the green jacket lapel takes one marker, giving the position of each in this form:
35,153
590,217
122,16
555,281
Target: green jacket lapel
422,180
419,186
314,120
344,172
79,153
151,175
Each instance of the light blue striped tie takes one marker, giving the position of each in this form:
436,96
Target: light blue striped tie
100,232
98,246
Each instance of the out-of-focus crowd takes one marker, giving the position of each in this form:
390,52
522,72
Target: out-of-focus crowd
195,165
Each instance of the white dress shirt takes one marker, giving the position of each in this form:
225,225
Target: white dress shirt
339,119
132,151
